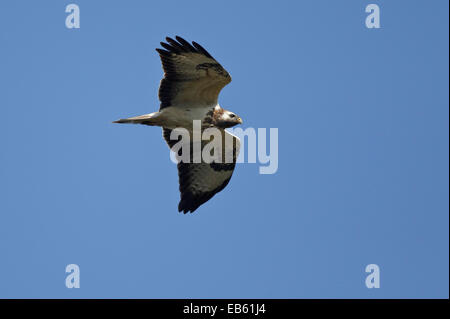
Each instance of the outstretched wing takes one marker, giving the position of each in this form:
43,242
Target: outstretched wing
192,77
199,182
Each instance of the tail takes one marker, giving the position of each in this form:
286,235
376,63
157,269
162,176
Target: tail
146,119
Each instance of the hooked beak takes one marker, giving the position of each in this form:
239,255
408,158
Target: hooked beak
239,120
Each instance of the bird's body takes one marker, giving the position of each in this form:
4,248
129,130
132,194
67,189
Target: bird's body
189,92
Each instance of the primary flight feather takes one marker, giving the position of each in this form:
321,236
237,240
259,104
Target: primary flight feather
189,91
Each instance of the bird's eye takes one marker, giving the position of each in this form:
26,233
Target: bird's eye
232,115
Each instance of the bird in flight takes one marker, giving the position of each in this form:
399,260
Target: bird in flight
189,92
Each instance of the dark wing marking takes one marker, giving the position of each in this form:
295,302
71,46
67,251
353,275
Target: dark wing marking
166,136
192,77
199,182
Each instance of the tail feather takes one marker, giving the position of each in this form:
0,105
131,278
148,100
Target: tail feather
146,119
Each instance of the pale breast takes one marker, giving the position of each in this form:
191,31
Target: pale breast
174,116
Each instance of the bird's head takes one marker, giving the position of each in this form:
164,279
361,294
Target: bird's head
228,119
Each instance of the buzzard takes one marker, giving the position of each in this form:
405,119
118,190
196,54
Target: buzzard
189,92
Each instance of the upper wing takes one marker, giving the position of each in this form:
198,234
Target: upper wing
192,77
199,182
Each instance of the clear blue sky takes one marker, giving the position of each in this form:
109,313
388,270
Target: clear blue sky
363,152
